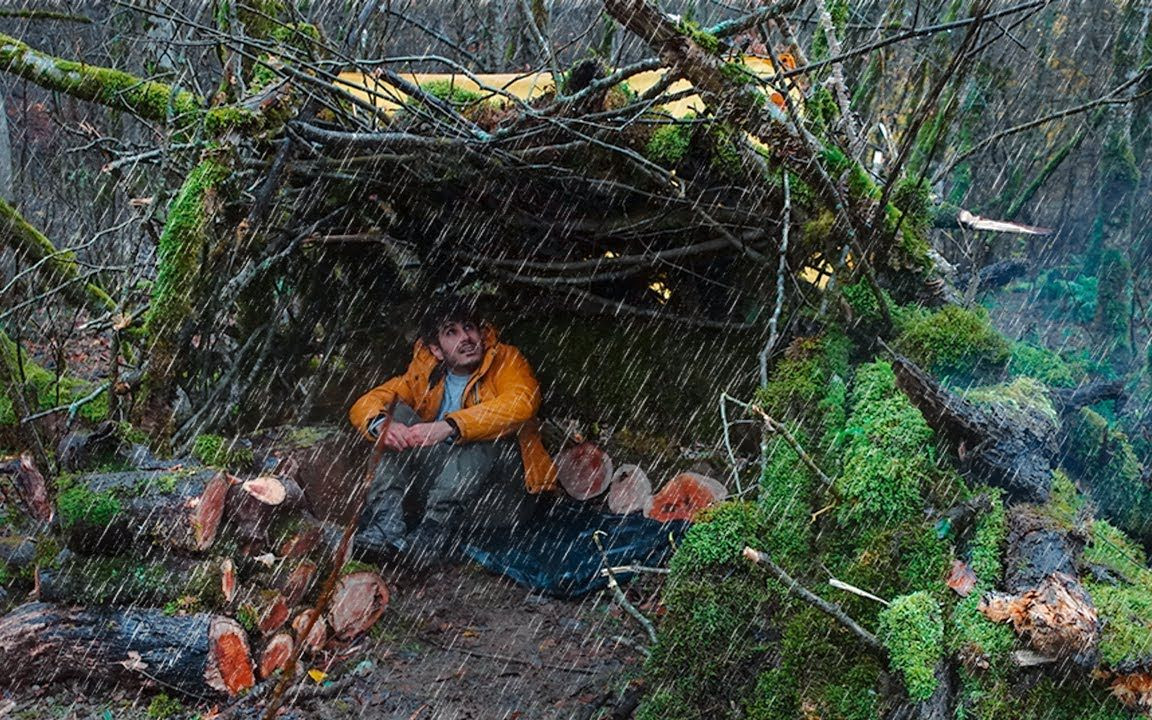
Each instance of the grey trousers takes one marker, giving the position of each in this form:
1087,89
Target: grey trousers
449,489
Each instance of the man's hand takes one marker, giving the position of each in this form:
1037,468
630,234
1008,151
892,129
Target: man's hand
427,434
396,436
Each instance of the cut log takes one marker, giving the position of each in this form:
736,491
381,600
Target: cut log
302,542
273,491
276,654
255,506
317,636
228,580
82,580
202,655
359,601
1045,602
1005,451
298,582
274,615
685,495
631,491
117,512
31,487
584,471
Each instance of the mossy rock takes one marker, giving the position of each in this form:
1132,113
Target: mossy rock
216,451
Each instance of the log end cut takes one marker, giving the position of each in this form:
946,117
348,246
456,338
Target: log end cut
229,666
359,601
584,471
276,654
684,496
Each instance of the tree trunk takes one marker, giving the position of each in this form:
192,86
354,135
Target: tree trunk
201,655
120,513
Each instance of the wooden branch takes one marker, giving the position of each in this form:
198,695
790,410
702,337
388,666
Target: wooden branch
797,590
621,599
59,265
145,99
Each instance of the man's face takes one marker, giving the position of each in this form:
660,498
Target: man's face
459,346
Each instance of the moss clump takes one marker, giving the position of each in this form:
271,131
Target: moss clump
888,452
953,341
708,42
42,388
980,643
79,505
1127,632
182,245
669,143
1042,364
218,452
913,199
450,92
714,602
912,628
799,387
1111,549
1101,457
221,120
1024,398
163,707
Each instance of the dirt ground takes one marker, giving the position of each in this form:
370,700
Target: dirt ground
458,643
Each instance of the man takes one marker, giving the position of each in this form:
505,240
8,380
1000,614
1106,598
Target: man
462,440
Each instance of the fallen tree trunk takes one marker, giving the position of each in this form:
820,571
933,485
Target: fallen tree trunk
1046,602
201,655
118,512
994,447
92,581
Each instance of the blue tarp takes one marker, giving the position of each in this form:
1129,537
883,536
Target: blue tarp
556,553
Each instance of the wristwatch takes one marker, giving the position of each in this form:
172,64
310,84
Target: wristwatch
455,430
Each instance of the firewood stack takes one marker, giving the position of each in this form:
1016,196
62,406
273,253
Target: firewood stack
191,579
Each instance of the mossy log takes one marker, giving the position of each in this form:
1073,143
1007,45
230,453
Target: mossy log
171,582
202,655
58,268
119,513
119,90
1046,602
1011,451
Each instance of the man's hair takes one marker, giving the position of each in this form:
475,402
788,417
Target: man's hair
445,311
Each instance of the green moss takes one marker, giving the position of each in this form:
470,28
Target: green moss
221,120
1042,364
669,143
952,341
449,92
913,199
1127,631
182,245
708,42
888,454
116,89
78,505
248,617
43,389
714,602
981,644
1114,295
912,629
218,452
1101,457
163,707
1023,397
1112,549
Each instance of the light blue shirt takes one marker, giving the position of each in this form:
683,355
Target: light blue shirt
453,394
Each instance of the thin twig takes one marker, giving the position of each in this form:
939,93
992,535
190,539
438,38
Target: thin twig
782,266
781,429
795,589
621,599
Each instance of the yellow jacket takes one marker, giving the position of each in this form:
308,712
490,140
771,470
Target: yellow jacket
501,399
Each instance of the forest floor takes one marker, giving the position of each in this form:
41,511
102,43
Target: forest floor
458,643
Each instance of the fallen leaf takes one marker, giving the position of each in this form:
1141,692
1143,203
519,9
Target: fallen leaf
134,661
317,676
961,578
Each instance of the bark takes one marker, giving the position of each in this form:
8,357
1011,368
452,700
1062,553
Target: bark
1004,451
30,486
103,581
201,655
121,513
118,90
256,505
57,268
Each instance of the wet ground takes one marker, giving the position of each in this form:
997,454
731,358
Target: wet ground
458,643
